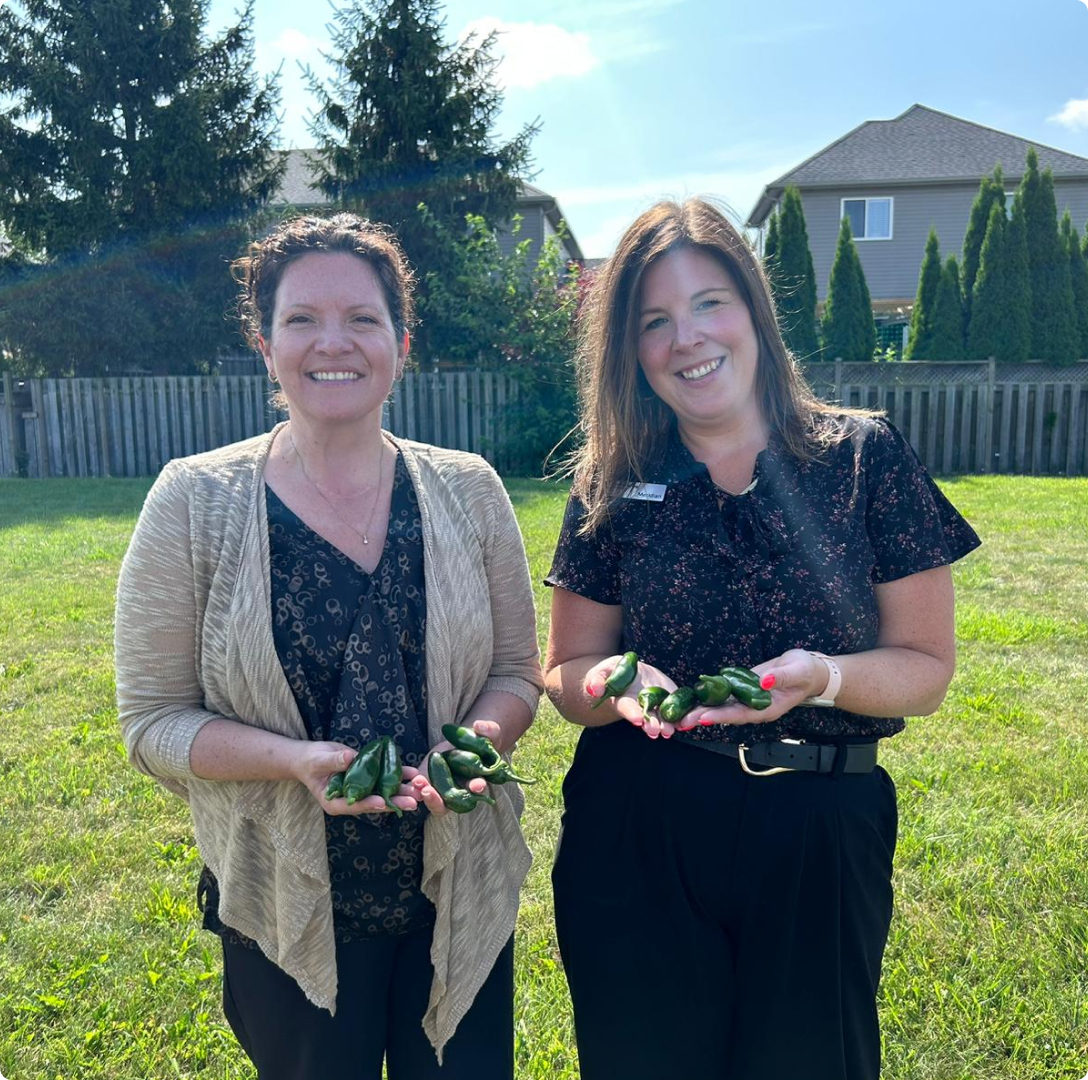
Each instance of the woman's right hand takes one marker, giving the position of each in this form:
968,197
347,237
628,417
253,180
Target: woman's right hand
321,759
626,704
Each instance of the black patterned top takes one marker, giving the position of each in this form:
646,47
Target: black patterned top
706,578
351,646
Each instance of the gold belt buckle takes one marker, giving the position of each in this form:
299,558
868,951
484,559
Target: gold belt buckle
773,771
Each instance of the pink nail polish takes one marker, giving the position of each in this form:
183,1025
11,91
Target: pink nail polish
767,681
592,692
706,723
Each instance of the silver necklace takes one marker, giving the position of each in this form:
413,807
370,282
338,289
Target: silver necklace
364,535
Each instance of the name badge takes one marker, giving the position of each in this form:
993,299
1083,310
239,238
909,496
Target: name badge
646,492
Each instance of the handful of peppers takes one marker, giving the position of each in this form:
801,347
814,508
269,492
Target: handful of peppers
376,770
740,683
473,756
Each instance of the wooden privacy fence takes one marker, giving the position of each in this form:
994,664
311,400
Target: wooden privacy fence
978,417
132,426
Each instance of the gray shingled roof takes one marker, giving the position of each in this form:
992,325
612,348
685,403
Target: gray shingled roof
296,190
920,146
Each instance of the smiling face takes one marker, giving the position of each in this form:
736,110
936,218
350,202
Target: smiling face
333,346
697,345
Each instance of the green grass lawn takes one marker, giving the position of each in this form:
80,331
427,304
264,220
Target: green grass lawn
104,972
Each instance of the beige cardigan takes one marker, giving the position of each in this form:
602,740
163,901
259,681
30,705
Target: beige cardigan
194,642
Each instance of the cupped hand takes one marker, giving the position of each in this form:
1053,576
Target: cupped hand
626,704
797,675
421,785
325,758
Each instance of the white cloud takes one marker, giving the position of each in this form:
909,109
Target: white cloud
1075,114
292,44
534,53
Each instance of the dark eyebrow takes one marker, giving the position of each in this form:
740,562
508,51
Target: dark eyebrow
695,296
302,306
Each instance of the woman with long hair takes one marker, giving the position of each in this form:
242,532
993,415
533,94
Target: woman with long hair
723,880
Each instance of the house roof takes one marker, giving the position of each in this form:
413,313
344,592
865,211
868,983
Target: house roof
297,189
920,146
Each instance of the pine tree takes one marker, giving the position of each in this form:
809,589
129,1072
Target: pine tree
133,147
1001,307
795,279
848,326
1078,277
408,119
920,339
946,326
1053,336
991,190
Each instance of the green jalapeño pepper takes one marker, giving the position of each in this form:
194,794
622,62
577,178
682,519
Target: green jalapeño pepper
335,787
746,688
678,704
623,674
744,674
391,774
466,739
506,775
467,766
650,698
456,799
713,690
362,774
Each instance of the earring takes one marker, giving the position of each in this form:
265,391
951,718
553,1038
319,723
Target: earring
273,377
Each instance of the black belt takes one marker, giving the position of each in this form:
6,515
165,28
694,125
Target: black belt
771,758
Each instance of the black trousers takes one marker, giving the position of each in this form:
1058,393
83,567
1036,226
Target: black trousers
717,925
384,985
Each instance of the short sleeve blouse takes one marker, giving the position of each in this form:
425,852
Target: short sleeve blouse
707,579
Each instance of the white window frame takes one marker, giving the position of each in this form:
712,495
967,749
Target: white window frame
889,199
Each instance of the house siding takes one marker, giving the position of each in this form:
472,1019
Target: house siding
532,228
892,266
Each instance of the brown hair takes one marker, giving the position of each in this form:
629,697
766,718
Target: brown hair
260,270
623,423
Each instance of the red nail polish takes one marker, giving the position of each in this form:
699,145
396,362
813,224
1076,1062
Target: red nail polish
706,723
591,691
767,681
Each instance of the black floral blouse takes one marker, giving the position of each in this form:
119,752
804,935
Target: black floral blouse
706,578
352,648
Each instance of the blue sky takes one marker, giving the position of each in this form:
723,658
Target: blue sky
641,99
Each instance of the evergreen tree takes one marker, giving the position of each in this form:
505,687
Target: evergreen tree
516,313
133,147
946,326
991,190
920,339
848,326
1001,307
770,255
408,119
795,279
1053,324
1078,277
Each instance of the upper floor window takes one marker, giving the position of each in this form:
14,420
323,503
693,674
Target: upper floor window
870,219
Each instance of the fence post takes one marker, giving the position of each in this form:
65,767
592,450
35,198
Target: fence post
9,409
838,378
986,456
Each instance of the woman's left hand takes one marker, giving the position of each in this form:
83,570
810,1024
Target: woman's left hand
797,675
420,785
